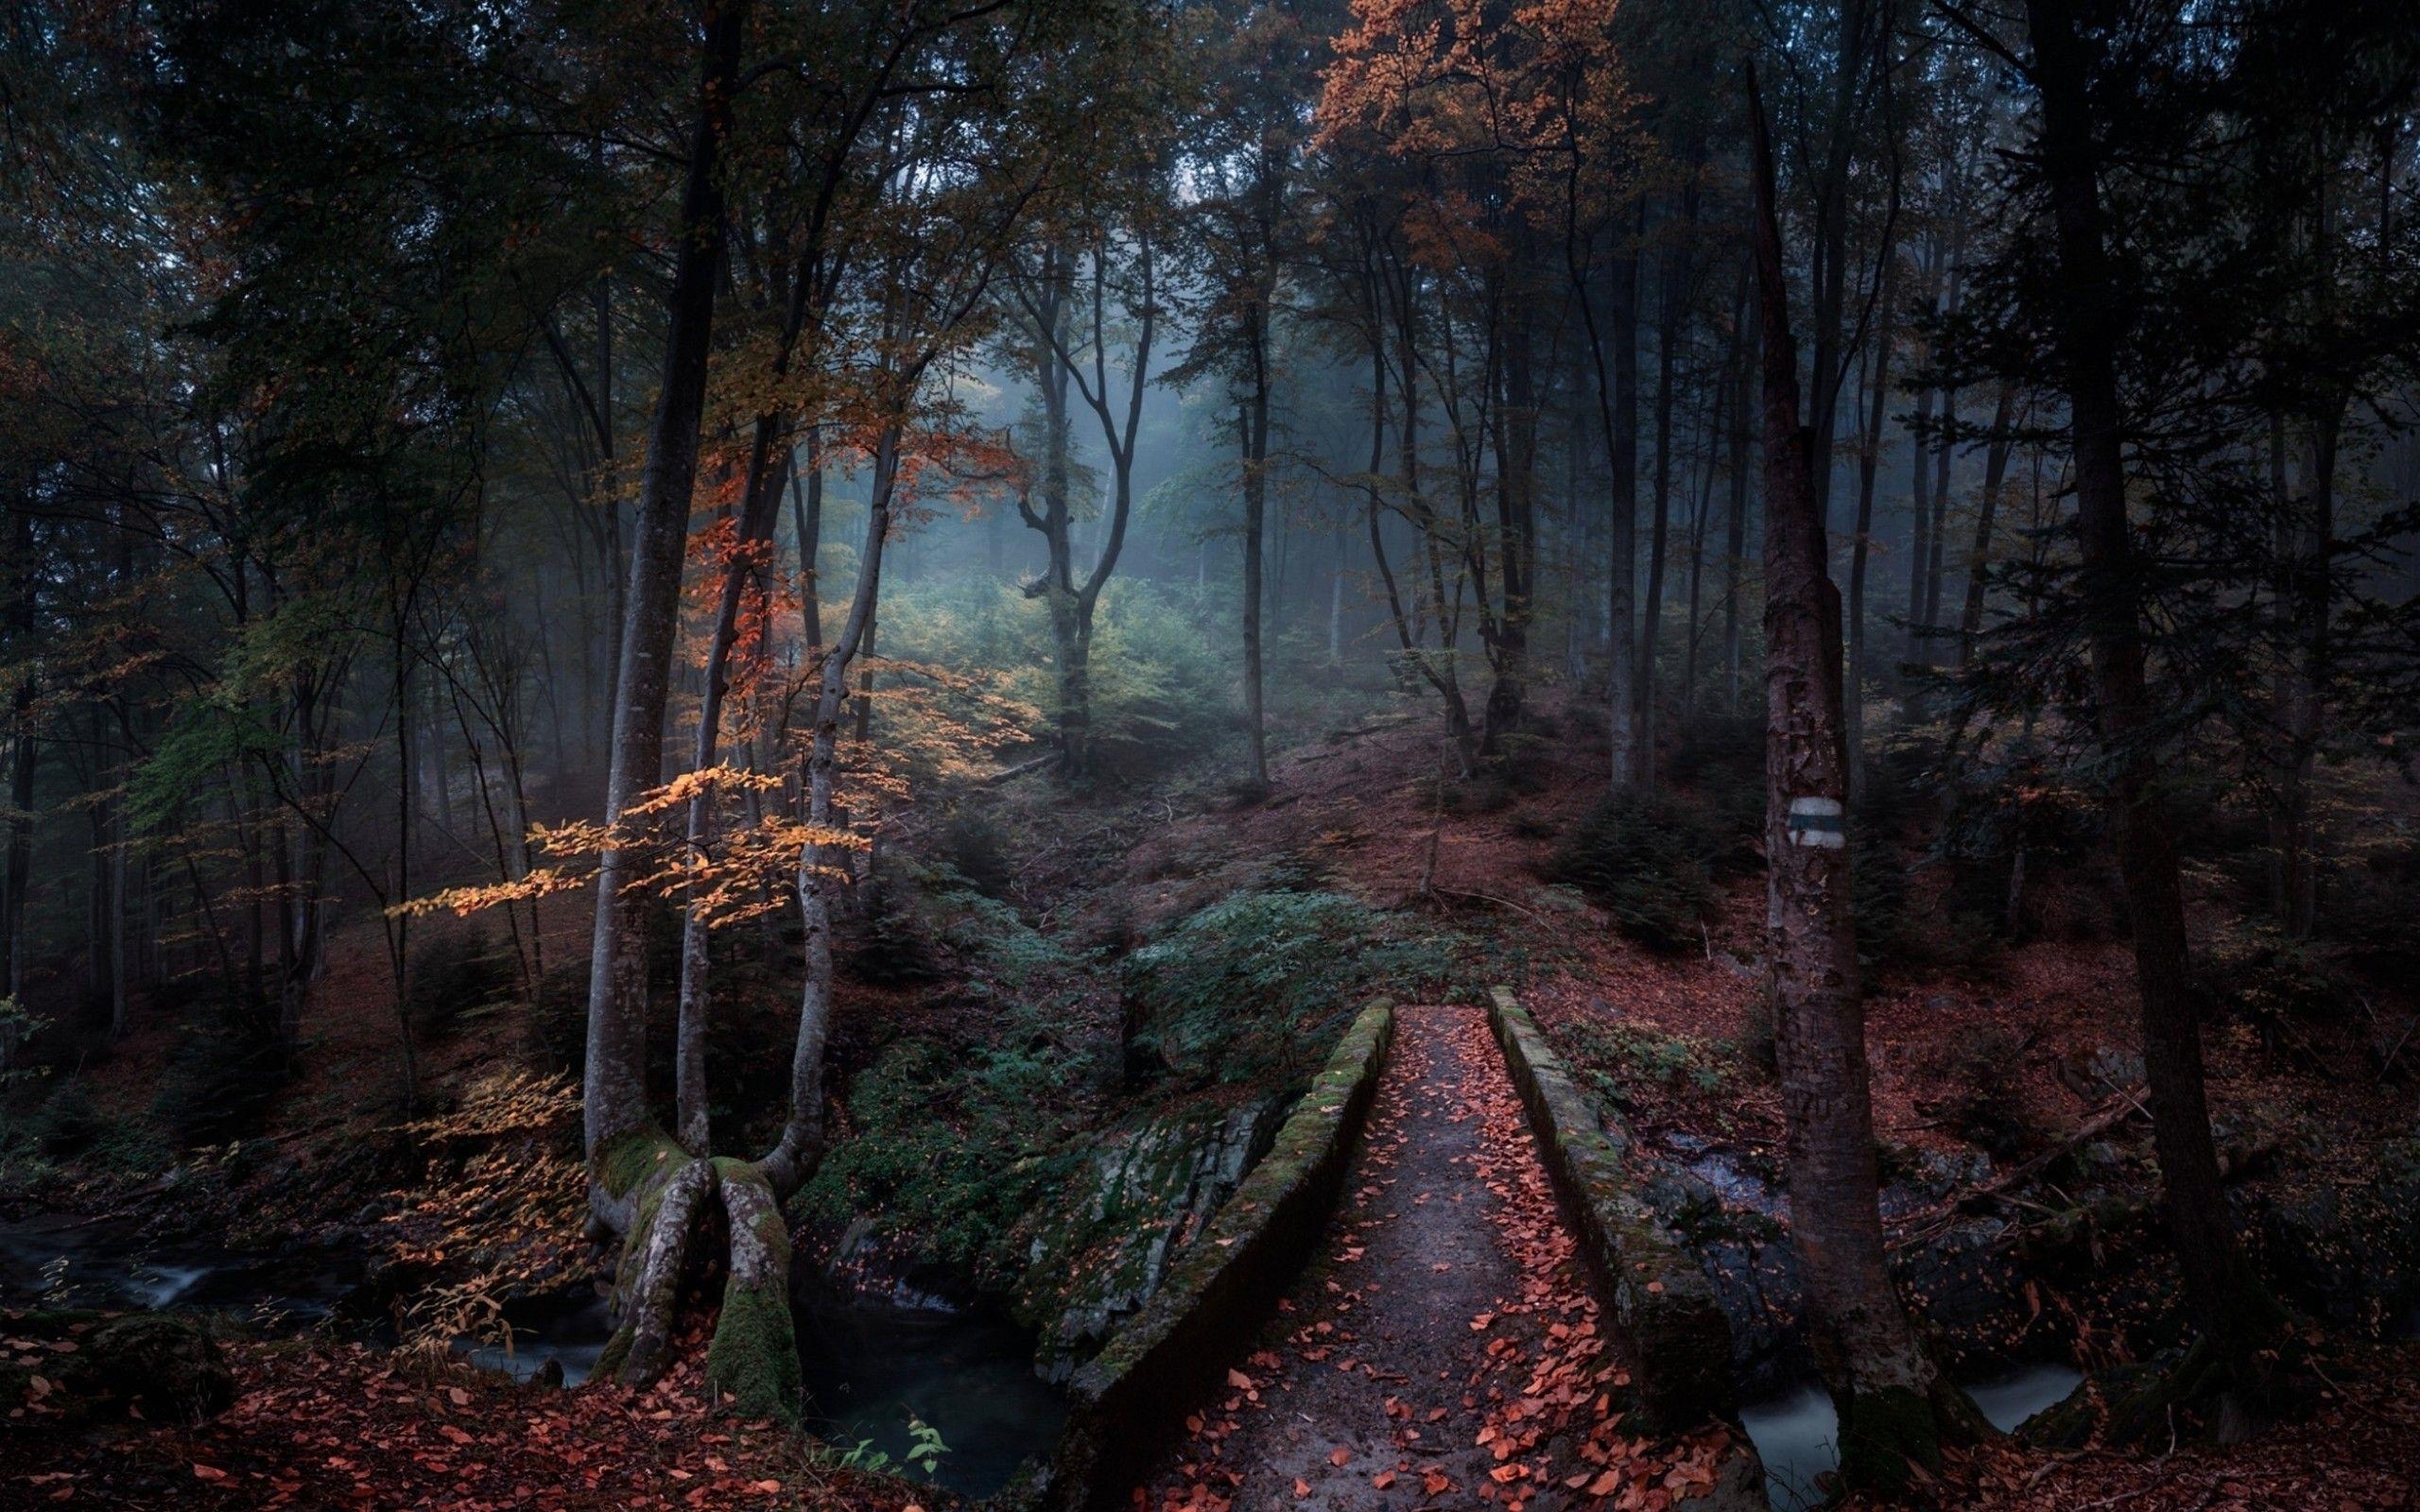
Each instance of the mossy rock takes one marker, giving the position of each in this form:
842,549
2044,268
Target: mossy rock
1100,1251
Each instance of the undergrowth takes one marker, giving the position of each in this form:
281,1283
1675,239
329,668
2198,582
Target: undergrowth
1252,988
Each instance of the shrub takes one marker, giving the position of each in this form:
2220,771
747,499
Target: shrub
1611,1053
218,1085
2273,981
951,1144
1648,859
978,851
1253,987
1720,761
1983,1102
67,1123
455,972
1160,693
893,946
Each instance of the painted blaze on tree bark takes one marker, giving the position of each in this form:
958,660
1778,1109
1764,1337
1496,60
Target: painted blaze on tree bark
1894,1407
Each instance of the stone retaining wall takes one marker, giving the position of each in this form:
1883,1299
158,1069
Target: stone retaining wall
1663,1308
1664,1312
1124,1404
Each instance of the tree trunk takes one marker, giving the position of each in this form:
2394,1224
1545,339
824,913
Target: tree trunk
614,1091
1869,463
1734,532
1919,539
800,1146
23,751
1629,759
1516,441
1673,298
1978,559
1894,1407
1251,425
758,512
2227,1302
806,510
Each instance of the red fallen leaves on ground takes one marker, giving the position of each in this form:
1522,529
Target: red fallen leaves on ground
2357,1451
1561,1408
1540,1387
352,1428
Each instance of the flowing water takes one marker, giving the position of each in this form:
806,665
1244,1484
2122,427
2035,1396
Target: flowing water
872,1361
58,1261
872,1364
1796,1434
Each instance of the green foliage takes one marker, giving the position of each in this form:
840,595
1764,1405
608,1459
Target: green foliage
977,848
1649,860
951,1142
893,947
206,737
18,1024
925,1448
924,1452
1001,949
1160,690
2273,982
1253,987
1721,762
1953,929
1614,1056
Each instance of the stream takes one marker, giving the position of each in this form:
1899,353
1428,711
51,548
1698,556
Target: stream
871,1360
1795,1433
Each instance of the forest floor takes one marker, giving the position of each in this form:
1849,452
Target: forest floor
1361,810
1443,1348
325,1428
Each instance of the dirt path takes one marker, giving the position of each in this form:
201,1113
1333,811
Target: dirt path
1443,1349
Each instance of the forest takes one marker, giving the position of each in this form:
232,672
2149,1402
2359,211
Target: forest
1210,755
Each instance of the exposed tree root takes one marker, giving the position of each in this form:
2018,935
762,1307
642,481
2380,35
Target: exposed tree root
754,1358
2226,1392
647,1290
1884,1432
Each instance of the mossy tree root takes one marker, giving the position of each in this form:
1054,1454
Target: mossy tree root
753,1361
648,1289
2234,1388
1886,1429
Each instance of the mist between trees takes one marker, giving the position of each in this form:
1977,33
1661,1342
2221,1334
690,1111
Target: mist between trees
458,456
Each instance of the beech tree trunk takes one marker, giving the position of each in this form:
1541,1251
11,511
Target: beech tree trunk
1735,528
759,511
1671,321
614,1089
1252,428
1894,1407
1073,602
1516,441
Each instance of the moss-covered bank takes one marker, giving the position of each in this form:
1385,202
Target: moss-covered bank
1124,1403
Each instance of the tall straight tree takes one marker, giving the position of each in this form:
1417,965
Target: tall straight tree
615,1093
2238,1320
1894,1407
